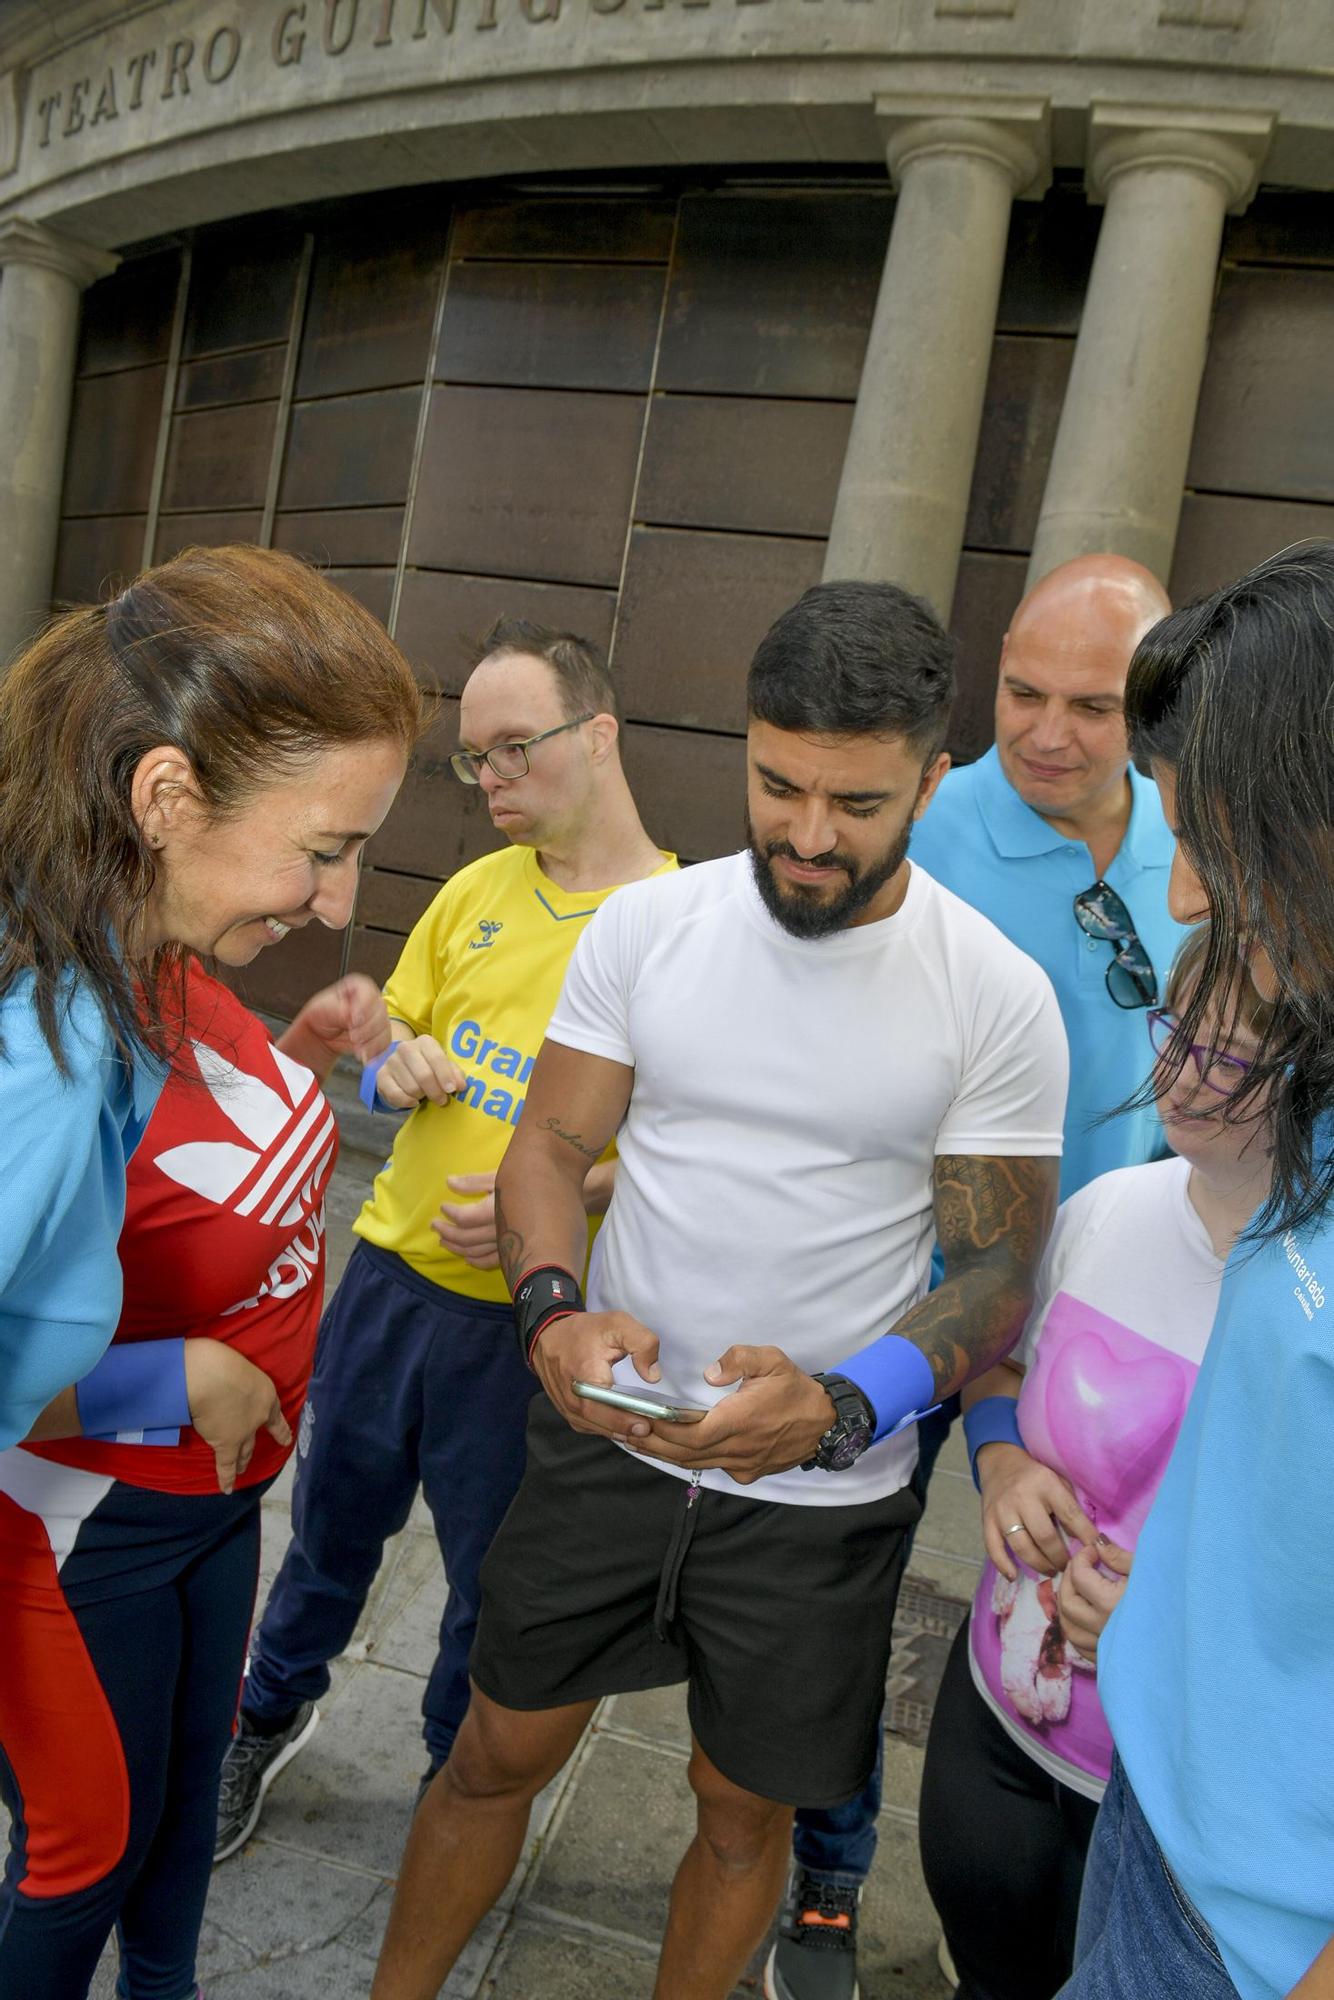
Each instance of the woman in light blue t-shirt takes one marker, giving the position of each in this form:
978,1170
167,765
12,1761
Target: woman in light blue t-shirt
1069,1438
1211,1872
194,766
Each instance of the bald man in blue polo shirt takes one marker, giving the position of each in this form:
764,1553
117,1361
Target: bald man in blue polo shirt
1055,807
1052,812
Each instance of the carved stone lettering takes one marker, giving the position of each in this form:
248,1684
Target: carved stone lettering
222,53
221,49
179,58
106,100
78,90
139,67
340,24
288,39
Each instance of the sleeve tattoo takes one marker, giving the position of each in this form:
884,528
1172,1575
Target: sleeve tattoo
992,1220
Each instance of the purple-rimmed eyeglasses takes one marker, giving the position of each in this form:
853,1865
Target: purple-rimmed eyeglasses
1217,1072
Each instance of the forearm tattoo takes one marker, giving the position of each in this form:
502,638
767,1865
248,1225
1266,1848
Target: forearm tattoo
992,1220
575,1139
509,1246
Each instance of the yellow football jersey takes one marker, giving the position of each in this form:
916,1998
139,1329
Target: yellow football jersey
482,972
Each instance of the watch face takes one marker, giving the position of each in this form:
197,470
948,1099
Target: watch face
847,1449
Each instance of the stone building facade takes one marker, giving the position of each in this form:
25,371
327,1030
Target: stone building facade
640,315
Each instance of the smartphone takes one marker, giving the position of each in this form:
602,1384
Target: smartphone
640,1403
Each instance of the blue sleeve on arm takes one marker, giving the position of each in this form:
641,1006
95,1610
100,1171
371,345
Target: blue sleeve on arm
367,1091
995,1420
896,1379
138,1387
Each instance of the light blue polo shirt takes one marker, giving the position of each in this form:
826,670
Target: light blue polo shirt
64,1144
980,839
1217,1668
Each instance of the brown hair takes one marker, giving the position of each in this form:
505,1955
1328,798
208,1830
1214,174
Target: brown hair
246,660
1248,1005
583,678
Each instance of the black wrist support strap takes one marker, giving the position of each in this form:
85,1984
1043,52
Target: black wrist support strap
541,1296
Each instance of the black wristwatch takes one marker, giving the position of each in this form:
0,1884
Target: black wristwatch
851,1431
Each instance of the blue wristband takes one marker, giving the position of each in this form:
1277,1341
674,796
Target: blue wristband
995,1420
136,1394
367,1091
897,1381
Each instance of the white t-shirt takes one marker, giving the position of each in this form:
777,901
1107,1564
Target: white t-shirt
790,1097
1125,1305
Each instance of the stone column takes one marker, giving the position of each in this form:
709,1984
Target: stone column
1119,461
958,165
41,276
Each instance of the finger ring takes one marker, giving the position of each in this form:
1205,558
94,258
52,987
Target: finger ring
1017,1529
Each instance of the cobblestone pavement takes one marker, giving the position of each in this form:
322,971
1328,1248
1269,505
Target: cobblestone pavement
299,1913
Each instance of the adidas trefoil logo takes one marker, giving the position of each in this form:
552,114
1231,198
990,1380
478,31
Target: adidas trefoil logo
275,1176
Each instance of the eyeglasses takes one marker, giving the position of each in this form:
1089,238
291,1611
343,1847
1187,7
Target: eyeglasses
507,760
1218,1072
1131,979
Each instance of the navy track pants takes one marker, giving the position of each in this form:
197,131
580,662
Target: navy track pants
412,1385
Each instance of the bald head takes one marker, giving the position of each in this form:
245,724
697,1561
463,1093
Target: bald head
1060,731
1101,604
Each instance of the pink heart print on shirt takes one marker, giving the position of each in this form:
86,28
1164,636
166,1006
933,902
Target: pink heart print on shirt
1103,1405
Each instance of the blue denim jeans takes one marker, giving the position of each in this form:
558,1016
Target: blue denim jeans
1140,1937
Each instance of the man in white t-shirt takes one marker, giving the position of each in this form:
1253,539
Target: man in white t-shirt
816,1062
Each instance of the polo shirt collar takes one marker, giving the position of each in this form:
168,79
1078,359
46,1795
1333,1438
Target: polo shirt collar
1017,831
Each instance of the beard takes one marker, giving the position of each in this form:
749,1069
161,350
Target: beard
808,912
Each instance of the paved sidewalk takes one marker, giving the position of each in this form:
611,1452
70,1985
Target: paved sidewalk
299,1913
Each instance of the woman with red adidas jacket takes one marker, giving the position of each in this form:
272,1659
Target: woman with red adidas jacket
128,1561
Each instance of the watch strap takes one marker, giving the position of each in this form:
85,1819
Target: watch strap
546,1293
852,1408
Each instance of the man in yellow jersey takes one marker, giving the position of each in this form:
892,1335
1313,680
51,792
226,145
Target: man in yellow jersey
417,1378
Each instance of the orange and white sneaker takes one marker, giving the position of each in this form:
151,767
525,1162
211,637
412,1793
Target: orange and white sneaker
815,1956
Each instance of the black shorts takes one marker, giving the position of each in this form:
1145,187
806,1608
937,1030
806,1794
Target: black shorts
606,1578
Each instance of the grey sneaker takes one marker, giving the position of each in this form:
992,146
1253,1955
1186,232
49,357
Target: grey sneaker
815,1957
249,1768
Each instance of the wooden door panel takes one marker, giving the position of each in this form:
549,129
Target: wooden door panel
694,608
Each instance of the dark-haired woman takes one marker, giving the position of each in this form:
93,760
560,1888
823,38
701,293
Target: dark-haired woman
1069,1438
1211,1871
194,767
